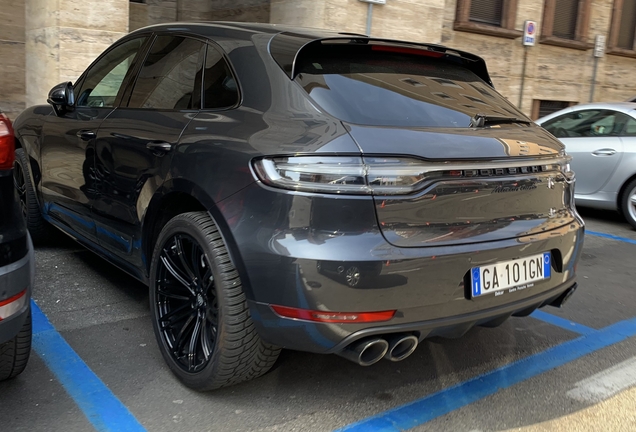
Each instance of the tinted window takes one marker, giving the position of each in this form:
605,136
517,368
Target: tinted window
368,85
220,89
168,76
588,123
104,79
630,130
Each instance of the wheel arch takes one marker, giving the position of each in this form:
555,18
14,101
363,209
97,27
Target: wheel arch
621,191
177,196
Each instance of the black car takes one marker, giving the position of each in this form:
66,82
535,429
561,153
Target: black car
16,262
236,168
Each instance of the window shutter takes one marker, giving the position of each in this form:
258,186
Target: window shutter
548,107
627,31
566,13
487,12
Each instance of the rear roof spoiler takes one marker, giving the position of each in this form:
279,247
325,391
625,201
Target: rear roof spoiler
285,48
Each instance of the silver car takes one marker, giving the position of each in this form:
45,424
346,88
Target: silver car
601,138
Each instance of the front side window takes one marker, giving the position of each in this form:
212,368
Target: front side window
588,123
104,79
169,76
630,128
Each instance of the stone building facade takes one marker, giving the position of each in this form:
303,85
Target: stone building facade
44,42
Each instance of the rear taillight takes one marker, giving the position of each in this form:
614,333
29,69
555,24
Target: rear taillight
12,305
7,145
332,317
371,175
343,174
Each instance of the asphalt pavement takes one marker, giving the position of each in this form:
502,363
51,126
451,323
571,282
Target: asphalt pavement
96,365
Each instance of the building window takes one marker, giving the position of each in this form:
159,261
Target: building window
565,23
541,108
491,17
138,1
622,39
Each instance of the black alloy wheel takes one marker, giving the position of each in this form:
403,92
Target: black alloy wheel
186,304
200,313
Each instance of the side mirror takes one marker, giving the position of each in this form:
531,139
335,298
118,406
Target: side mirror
62,97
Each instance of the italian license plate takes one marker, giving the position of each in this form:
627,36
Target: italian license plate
514,274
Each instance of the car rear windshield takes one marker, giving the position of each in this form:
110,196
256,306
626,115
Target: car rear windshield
386,86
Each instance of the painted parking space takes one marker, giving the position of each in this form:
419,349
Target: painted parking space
100,406
102,316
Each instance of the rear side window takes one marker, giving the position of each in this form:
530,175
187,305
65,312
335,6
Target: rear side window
169,75
220,89
371,85
589,123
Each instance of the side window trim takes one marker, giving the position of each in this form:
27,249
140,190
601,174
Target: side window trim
135,64
131,79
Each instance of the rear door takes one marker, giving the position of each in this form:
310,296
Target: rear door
134,144
69,184
592,138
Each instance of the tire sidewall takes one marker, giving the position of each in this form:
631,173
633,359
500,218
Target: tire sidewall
626,204
179,224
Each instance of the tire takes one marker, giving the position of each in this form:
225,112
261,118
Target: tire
628,203
14,354
39,229
199,311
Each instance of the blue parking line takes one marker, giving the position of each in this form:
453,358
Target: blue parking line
445,401
611,236
100,406
562,322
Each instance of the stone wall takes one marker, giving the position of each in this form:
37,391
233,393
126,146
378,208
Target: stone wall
414,20
43,42
12,57
552,72
160,11
240,10
64,36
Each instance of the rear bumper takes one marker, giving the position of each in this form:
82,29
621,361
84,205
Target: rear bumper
15,278
289,254
327,338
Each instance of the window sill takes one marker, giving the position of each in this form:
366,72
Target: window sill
567,43
621,52
489,30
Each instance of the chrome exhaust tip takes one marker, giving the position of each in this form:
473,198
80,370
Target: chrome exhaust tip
366,352
400,347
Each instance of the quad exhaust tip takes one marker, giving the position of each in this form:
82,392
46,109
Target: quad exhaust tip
366,352
400,347
371,350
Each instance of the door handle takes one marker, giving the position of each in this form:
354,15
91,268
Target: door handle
159,148
86,135
604,152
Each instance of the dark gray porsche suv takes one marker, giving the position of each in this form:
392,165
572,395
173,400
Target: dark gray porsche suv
292,188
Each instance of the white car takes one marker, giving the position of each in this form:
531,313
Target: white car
601,138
